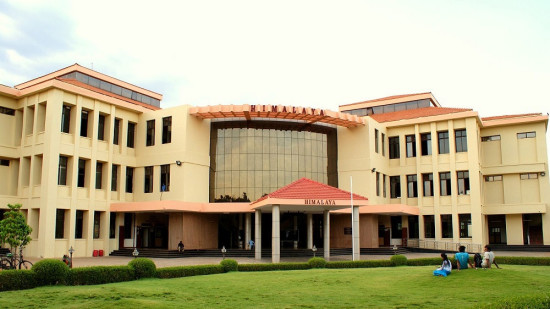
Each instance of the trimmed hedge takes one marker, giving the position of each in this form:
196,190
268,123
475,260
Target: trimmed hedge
50,272
424,262
520,302
11,280
277,266
229,265
520,260
99,275
317,262
359,264
188,271
143,268
398,260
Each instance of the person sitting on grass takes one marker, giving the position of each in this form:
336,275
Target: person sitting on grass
462,259
445,268
488,258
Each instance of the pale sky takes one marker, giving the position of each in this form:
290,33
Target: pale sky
492,56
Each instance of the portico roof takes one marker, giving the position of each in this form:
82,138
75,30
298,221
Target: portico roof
306,195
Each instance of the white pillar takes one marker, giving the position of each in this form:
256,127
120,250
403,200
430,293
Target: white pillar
258,235
326,234
276,234
355,229
247,229
309,231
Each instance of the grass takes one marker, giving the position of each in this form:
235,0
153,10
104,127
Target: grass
393,287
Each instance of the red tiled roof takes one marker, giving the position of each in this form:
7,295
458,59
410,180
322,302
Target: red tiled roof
417,113
107,93
510,116
305,188
388,98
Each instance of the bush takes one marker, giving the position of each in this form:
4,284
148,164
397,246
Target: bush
398,260
188,271
17,280
520,302
424,262
359,264
99,275
521,260
229,265
50,272
143,268
317,262
276,266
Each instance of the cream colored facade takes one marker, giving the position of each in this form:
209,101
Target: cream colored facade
33,143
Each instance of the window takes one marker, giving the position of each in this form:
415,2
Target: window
411,146
114,177
65,119
62,171
131,134
7,111
446,226
79,224
529,176
129,179
116,131
60,223
101,128
4,162
383,144
443,142
377,184
394,147
463,182
84,123
395,186
426,144
376,140
97,224
527,135
384,185
490,138
493,178
150,138
98,175
412,186
128,225
465,223
148,181
112,225
413,227
428,184
165,178
81,173
166,130
445,183
461,142
396,227
429,226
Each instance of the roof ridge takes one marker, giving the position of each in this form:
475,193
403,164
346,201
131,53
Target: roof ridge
510,116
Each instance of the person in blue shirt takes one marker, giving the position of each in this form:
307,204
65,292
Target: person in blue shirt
462,259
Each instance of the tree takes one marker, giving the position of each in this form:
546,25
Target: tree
14,231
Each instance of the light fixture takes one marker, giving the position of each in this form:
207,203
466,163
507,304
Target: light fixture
542,174
135,253
178,163
373,170
71,251
314,249
223,252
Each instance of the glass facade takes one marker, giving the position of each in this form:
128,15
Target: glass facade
250,159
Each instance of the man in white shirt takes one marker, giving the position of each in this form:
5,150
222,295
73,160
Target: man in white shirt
488,258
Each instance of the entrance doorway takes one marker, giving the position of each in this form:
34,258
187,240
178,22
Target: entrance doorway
497,229
532,229
153,232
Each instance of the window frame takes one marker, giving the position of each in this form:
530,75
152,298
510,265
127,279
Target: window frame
412,186
443,142
410,146
461,140
393,143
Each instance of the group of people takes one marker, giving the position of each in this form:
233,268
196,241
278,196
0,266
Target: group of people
463,260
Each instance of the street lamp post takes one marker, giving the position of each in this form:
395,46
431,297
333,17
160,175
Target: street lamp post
135,253
223,252
394,249
71,251
314,249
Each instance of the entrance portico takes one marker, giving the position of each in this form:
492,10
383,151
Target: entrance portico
309,197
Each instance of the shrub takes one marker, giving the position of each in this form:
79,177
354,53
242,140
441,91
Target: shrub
187,271
398,260
143,268
317,262
424,262
99,275
276,266
523,260
50,272
359,264
520,302
17,280
229,265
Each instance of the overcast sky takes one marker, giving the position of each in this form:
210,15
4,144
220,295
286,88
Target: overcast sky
492,56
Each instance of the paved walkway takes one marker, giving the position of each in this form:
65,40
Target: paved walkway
185,261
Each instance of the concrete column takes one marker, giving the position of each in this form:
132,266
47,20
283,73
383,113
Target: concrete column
247,229
355,228
258,235
326,234
276,234
309,231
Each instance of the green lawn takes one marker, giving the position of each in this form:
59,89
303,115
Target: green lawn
393,287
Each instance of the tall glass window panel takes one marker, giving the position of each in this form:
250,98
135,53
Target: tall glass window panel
428,184
60,223
98,175
150,134
413,227
384,177
376,140
445,183
411,146
79,224
429,226
461,141
426,144
131,135
116,131
394,147
65,119
101,128
383,139
396,227
463,178
395,186
446,226
377,184
166,130
443,140
129,179
165,178
412,186
465,223
81,179
114,177
97,224
112,225
84,123
62,171
148,180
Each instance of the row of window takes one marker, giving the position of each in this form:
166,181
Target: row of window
463,184
84,128
390,108
80,216
461,144
129,187
464,222
7,111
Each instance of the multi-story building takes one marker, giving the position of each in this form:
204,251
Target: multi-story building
98,165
